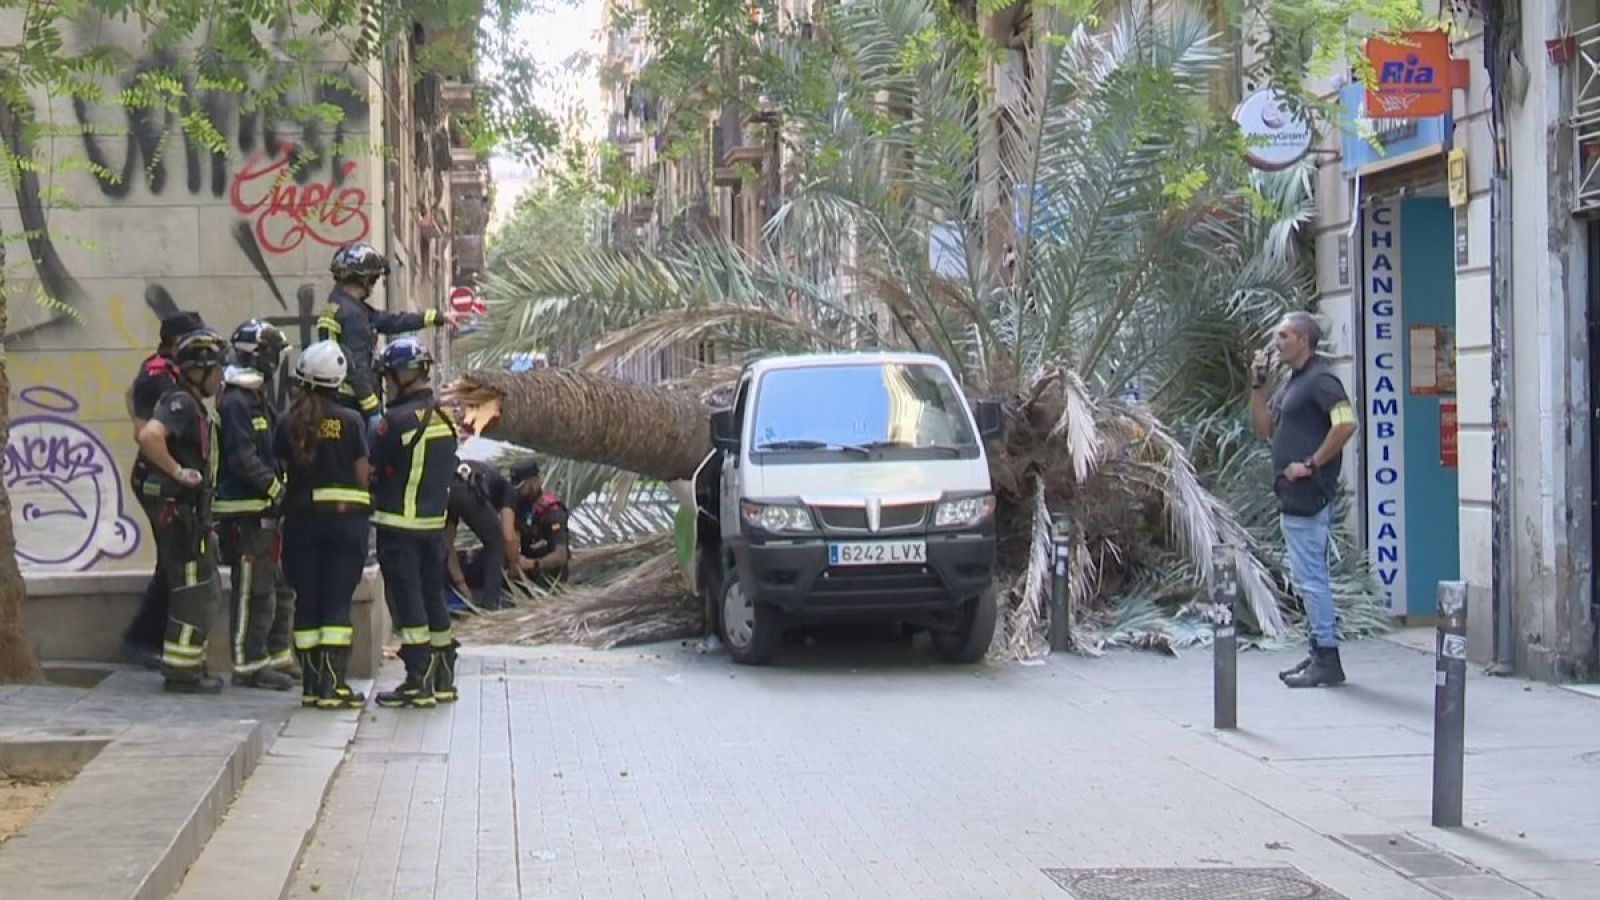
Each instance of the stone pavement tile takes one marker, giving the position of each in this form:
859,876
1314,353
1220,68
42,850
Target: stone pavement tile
1564,888
72,873
1478,887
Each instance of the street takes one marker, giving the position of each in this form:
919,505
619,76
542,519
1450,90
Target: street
865,769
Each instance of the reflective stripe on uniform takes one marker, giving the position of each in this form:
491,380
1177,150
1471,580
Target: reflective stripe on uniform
179,656
226,507
342,494
441,639
337,635
191,573
330,328
283,657
259,423
369,403
417,635
409,523
246,575
408,517
307,639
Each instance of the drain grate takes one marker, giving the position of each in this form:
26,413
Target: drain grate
1276,883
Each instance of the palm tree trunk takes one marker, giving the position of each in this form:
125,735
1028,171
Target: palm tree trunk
17,662
658,432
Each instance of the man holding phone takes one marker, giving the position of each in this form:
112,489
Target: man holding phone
1308,419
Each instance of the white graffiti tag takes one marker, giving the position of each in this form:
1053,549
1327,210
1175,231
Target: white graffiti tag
66,496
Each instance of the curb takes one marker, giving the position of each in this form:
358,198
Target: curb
255,851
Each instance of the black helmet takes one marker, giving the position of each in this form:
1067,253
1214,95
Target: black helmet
179,324
358,262
201,349
258,345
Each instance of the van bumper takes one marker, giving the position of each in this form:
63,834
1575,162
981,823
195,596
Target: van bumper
794,575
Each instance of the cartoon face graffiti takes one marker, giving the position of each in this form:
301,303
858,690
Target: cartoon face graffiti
66,495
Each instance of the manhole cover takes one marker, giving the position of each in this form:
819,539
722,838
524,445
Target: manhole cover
1277,883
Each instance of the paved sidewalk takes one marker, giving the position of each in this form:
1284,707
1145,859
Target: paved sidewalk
872,771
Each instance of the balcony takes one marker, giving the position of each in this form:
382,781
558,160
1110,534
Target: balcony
735,144
457,98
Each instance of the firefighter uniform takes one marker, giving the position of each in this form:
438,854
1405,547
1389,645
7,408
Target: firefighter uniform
249,488
158,374
413,461
542,529
355,326
478,495
325,510
181,521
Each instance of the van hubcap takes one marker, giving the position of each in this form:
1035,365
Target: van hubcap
738,616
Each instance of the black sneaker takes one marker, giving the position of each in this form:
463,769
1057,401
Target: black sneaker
266,679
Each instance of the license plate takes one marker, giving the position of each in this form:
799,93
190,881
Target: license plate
878,553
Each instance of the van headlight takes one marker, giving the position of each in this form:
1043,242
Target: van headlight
778,518
963,512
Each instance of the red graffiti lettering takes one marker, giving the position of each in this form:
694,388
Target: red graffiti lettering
286,213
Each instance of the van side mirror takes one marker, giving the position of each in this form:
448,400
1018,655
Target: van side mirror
724,431
990,421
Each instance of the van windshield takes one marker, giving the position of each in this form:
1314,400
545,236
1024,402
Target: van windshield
874,410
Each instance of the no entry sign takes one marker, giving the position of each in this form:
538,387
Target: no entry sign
465,302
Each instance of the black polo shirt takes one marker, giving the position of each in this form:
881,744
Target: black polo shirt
1301,419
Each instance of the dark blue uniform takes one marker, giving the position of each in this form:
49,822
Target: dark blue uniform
413,461
325,526
249,486
478,494
181,520
157,375
355,326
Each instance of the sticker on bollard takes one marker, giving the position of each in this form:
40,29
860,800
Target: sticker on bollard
1449,703
1224,643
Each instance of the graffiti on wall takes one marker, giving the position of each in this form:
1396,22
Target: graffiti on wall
285,213
286,189
66,493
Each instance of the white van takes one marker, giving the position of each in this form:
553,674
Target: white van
848,487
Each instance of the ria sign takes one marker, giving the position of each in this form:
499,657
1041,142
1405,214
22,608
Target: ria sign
1275,137
1415,76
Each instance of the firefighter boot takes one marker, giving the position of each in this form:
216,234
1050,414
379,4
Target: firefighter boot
266,678
444,672
417,690
1325,669
333,693
311,676
198,683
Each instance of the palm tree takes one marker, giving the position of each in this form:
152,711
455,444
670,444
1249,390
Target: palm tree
1140,253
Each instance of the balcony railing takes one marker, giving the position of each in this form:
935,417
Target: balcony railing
1586,117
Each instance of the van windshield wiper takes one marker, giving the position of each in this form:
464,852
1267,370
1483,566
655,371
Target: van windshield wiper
807,444
906,445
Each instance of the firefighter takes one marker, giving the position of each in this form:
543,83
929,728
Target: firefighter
249,489
544,550
173,478
413,460
323,451
350,320
141,642
482,498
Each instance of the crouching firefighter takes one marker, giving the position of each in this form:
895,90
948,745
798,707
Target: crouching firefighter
249,490
413,460
174,477
325,507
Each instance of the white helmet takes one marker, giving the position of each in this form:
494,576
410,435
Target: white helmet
321,365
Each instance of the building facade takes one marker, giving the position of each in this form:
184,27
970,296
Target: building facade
1458,294
128,220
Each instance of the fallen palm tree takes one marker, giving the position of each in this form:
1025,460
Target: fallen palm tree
1143,271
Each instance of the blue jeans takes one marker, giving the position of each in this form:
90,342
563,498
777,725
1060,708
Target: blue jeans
1307,540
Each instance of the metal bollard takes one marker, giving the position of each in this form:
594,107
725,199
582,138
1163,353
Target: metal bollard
1060,589
1225,642
1449,703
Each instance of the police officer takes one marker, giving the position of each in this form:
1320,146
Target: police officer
323,451
481,497
249,488
413,460
544,550
351,321
173,478
141,642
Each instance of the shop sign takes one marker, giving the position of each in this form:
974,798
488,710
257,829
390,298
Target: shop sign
1414,76
1385,410
1275,136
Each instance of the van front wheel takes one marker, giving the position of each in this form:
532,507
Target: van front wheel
751,631
969,640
